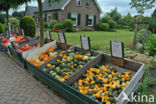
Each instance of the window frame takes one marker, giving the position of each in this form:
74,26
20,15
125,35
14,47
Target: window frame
74,15
88,1
90,16
77,3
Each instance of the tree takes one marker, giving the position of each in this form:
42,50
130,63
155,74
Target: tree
2,18
40,7
5,6
141,6
105,19
128,20
17,14
154,14
116,16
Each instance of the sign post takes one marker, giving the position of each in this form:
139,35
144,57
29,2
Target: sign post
85,42
49,35
62,37
23,32
117,53
38,31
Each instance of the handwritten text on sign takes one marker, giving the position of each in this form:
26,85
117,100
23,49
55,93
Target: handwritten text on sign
62,37
117,49
85,42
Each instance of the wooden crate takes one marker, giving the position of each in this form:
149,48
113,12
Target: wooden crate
136,68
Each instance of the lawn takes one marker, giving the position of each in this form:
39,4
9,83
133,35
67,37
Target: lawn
100,40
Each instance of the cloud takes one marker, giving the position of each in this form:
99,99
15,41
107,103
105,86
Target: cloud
106,6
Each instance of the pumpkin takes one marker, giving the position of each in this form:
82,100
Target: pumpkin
103,83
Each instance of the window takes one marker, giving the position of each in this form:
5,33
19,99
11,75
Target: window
90,20
87,3
49,17
45,17
74,18
78,2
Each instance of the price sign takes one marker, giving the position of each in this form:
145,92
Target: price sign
117,49
62,37
23,32
48,35
85,42
38,30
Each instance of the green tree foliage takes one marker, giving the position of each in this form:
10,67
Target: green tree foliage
154,14
17,14
150,46
142,5
128,21
52,23
68,23
40,7
27,23
115,15
14,22
105,19
112,24
1,28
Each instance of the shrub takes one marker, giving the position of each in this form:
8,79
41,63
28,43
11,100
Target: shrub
102,27
27,23
84,29
112,24
131,29
52,23
1,28
14,22
68,25
140,36
58,26
150,46
46,25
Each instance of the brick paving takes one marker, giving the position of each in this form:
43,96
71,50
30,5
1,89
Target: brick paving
17,86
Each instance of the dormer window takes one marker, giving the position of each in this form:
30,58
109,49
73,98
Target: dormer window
78,2
88,3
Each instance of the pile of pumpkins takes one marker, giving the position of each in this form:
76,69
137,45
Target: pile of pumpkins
27,47
67,63
19,39
103,83
43,57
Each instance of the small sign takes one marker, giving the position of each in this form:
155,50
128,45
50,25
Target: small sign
38,30
117,49
23,32
85,42
62,37
48,35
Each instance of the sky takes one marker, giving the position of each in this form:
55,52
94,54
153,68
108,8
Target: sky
106,6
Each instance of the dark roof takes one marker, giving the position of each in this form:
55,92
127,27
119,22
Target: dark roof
30,10
54,6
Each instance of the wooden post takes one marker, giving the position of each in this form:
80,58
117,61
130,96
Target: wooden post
145,36
135,36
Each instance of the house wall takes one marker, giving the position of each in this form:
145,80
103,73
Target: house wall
83,10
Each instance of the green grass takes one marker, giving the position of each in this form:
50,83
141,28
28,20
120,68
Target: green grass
99,40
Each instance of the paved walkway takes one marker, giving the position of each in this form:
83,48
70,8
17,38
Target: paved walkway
17,86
